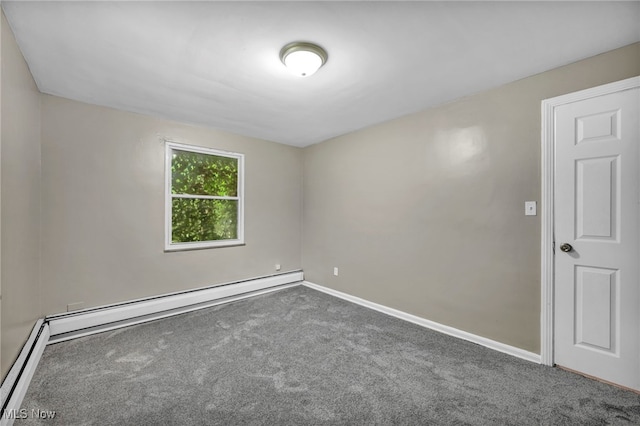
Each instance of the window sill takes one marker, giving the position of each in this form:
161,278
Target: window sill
202,246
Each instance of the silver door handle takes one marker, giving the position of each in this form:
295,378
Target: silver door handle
566,247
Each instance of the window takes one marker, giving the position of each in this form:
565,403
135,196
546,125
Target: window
204,200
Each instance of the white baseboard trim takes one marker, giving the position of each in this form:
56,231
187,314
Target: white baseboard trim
16,383
483,341
81,323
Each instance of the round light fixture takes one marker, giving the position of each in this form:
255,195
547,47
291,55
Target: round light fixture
302,58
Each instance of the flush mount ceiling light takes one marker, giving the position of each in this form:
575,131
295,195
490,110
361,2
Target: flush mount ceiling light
303,59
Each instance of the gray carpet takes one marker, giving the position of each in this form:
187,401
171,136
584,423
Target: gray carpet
300,357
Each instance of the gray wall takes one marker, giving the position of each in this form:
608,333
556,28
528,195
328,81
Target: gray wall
20,198
426,213
103,208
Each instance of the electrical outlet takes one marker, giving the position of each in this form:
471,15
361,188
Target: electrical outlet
335,271
530,208
277,266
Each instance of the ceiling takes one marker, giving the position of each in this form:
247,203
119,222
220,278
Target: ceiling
217,64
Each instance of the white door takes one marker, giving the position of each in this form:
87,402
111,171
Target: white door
597,233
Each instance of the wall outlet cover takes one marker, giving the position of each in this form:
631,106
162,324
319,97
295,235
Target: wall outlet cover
530,208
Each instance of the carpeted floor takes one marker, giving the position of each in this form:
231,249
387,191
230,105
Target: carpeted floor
300,357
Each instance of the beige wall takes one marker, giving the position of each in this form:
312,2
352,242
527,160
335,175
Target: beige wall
426,213
103,208
3,369
20,197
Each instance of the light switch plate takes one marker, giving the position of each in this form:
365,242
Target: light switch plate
530,208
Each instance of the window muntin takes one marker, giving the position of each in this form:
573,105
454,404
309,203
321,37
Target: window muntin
204,203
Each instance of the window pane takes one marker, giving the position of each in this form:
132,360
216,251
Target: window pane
203,174
203,220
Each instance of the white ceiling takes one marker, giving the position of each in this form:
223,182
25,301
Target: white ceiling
217,63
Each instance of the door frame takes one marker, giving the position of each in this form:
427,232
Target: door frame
547,272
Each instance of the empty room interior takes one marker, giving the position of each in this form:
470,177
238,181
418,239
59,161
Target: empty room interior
320,212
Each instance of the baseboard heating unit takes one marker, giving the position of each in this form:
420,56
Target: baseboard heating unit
71,325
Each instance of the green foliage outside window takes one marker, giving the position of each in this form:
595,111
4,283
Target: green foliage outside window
203,219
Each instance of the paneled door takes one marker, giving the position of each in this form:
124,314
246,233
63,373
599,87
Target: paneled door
597,235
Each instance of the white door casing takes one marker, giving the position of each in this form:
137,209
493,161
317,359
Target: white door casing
591,295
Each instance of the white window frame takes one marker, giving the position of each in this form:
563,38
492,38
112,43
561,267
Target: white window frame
170,147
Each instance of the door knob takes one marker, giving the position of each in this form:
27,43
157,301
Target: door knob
566,247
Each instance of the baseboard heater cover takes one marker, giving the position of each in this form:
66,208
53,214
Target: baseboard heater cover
15,385
56,328
76,324
483,341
